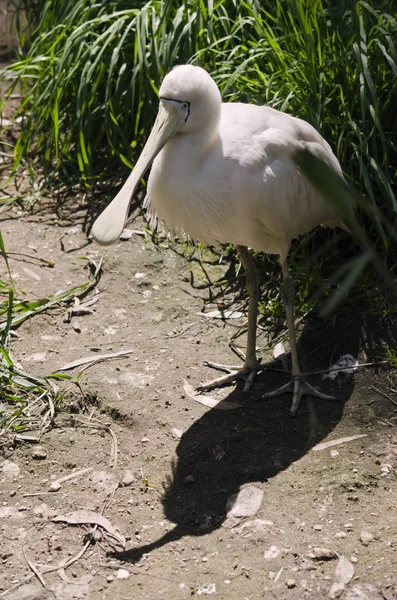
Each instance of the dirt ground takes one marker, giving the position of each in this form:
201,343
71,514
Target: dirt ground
179,462
310,522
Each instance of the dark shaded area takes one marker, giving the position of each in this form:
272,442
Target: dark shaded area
224,450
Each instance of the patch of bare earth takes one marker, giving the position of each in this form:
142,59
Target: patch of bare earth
162,468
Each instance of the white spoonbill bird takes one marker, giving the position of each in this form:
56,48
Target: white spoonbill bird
223,172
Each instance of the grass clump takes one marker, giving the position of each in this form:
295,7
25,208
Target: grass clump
28,401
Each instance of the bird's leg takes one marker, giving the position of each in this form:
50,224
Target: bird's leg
251,364
298,386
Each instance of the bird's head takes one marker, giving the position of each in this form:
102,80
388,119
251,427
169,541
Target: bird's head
190,102
191,98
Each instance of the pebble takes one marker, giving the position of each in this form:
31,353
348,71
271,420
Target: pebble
317,527
128,478
39,453
123,574
145,440
318,553
340,535
55,486
366,537
189,479
291,583
245,503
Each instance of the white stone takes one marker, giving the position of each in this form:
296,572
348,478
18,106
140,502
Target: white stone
245,503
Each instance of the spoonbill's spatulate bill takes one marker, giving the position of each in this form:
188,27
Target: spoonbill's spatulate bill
225,173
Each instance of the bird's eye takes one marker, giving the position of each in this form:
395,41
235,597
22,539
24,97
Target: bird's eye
185,105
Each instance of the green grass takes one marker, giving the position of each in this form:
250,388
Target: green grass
92,71
28,401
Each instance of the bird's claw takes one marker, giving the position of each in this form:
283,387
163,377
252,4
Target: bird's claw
299,387
233,373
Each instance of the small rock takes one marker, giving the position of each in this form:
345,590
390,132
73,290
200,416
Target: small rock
344,570
109,578
291,583
145,440
126,234
128,478
139,275
10,468
336,590
317,527
177,433
123,574
340,535
157,317
334,453
189,479
366,537
385,469
318,553
245,503
55,486
39,453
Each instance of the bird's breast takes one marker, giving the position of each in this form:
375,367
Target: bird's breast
190,192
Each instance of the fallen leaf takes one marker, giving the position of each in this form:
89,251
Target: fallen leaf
93,359
208,401
344,570
325,445
89,517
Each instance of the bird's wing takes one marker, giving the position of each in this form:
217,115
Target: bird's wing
270,193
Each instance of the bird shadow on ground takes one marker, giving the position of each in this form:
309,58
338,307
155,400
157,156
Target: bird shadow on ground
225,450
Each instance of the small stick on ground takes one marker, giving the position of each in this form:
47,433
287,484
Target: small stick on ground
383,394
34,569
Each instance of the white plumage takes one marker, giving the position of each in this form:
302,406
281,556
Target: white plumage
225,173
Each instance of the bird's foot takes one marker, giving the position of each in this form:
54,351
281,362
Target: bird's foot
233,373
299,387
